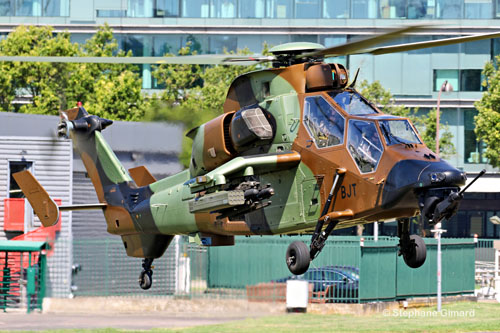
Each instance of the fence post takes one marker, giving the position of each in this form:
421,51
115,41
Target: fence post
106,269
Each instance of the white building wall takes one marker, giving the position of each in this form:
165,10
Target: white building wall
52,166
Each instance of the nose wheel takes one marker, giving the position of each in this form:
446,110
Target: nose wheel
411,247
146,276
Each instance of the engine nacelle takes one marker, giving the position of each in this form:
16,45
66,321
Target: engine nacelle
222,138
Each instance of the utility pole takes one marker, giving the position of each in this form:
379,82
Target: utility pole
438,231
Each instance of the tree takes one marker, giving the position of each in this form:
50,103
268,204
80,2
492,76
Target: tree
488,117
107,90
425,123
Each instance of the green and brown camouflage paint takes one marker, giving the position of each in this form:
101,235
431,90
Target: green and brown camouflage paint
301,174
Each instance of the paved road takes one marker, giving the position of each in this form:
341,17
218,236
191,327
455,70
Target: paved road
37,321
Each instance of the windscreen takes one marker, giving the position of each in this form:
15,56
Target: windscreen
352,103
364,144
398,131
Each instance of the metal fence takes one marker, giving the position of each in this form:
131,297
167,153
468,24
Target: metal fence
22,275
102,268
485,250
255,269
259,266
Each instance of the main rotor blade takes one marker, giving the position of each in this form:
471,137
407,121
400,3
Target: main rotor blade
212,59
363,44
427,44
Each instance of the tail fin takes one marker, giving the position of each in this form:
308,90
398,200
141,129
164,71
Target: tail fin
45,208
102,165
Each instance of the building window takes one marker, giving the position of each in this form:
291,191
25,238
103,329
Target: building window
478,9
449,9
14,167
111,13
460,80
166,8
420,9
392,8
279,9
219,44
335,9
140,8
442,75
307,8
364,9
195,8
223,8
473,149
470,80
5,8
252,9
54,8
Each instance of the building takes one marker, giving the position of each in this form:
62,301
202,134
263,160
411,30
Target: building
30,142
153,27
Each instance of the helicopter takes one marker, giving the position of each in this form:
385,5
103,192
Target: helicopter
297,150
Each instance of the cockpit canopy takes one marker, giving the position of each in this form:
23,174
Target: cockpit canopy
352,103
367,131
398,131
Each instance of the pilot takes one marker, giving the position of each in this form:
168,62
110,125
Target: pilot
369,148
322,134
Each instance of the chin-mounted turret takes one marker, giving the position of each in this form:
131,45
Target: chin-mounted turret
443,203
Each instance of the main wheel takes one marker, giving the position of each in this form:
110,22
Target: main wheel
146,279
417,252
298,257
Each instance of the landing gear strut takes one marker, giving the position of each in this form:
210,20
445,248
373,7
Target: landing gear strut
411,247
298,255
146,276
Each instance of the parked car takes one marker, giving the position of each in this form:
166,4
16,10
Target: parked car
342,280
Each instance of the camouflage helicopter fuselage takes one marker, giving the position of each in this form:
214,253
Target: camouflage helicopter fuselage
276,183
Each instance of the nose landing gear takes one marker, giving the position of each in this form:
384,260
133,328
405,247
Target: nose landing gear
411,247
146,276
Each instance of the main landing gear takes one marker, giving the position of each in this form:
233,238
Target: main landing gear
298,254
146,276
411,247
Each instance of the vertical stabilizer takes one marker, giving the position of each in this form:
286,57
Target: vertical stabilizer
103,167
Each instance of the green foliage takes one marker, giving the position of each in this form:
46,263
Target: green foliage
108,90
425,123
488,117
193,94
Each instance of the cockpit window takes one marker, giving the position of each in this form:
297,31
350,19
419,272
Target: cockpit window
364,144
324,123
398,131
352,103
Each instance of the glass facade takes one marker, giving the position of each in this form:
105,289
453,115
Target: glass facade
34,7
281,9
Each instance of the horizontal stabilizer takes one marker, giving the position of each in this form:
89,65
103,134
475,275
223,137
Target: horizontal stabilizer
141,176
45,208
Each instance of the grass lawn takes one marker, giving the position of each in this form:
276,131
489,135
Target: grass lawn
457,317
